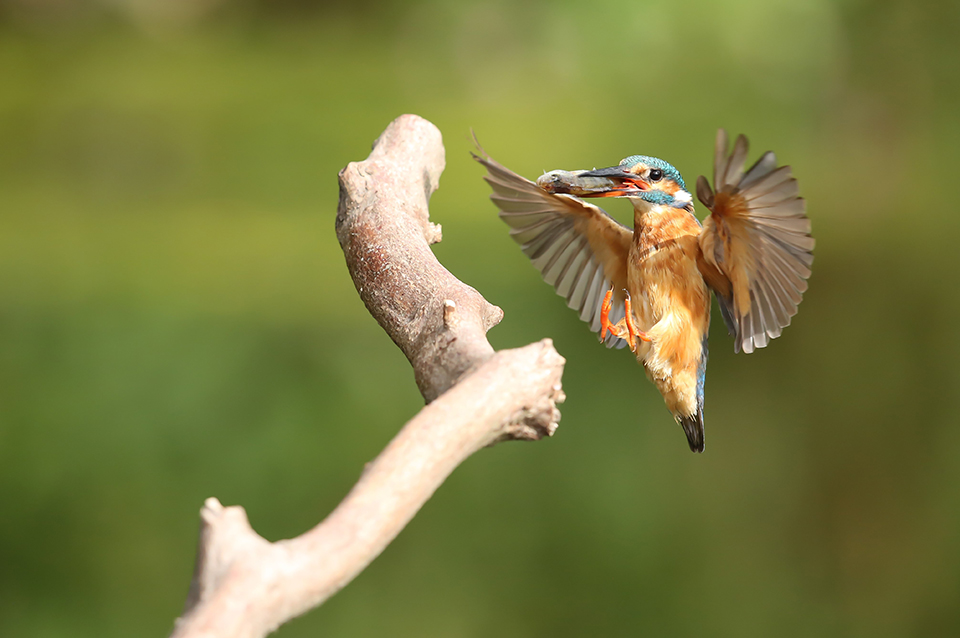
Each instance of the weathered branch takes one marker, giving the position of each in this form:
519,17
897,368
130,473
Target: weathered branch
244,586
384,227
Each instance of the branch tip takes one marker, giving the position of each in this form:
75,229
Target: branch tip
433,233
212,507
492,315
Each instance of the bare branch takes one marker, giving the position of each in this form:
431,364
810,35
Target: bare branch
384,227
245,586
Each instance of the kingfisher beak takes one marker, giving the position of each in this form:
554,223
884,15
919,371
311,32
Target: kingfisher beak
603,182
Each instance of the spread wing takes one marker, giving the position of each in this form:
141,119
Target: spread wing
579,249
756,244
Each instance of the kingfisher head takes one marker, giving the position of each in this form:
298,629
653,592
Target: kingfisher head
638,177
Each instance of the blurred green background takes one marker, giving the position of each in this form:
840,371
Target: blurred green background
176,320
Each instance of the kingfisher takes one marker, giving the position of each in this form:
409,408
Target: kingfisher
648,288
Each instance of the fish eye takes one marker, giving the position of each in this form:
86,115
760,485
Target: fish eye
655,175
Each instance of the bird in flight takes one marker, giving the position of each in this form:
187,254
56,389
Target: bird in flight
649,287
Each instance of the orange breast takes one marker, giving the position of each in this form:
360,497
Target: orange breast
671,304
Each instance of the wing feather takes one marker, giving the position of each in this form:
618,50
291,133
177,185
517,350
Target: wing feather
766,163
580,296
591,304
571,271
551,257
756,244
737,159
720,159
766,182
775,195
578,249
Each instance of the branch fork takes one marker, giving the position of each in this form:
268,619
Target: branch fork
244,586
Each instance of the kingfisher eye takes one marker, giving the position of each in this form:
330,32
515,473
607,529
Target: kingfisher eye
655,175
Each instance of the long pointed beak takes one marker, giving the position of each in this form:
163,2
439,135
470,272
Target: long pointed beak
603,182
613,172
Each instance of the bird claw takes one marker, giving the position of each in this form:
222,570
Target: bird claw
605,325
626,328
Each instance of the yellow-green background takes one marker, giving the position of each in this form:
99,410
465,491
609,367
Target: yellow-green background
176,320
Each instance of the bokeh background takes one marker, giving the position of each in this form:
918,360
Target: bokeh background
176,320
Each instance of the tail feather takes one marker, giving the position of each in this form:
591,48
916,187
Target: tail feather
693,428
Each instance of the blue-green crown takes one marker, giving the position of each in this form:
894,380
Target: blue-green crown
655,162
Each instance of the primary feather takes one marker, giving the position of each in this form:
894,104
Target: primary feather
756,243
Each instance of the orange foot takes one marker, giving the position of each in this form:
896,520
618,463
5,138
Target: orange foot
626,328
